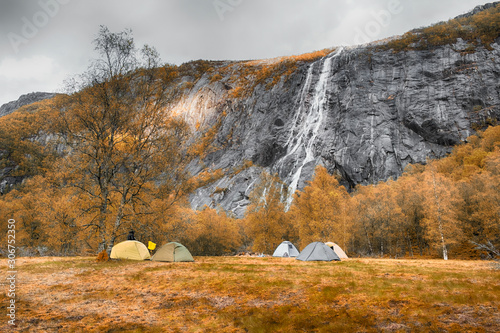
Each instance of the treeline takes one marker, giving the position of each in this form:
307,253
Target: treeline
449,208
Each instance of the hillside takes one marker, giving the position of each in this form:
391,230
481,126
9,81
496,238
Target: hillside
363,112
26,99
179,152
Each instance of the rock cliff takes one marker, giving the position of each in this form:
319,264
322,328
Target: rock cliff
26,99
361,112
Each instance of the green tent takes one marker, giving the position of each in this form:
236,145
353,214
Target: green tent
130,249
172,252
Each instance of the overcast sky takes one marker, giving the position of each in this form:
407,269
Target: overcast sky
44,42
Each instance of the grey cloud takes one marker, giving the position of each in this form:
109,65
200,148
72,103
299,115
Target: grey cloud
184,30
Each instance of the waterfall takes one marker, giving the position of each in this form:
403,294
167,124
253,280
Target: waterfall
307,122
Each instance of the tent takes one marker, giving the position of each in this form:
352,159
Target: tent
130,249
286,249
337,250
317,251
172,252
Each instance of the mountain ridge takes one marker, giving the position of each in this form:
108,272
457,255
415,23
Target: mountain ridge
25,99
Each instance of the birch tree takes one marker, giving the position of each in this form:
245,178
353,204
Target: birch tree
440,220
122,140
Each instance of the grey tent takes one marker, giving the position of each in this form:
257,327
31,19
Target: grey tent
286,249
317,251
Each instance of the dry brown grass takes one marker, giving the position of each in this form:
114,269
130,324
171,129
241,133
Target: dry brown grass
246,294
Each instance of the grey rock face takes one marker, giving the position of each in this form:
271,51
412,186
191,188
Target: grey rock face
478,9
360,112
26,99
363,113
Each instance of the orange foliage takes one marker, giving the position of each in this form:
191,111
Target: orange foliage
482,27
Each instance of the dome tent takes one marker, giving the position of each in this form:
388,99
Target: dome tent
172,252
317,251
130,249
286,249
337,249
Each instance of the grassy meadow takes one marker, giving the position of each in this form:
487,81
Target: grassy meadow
250,294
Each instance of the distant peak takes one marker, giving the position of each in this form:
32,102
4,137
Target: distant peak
478,9
23,100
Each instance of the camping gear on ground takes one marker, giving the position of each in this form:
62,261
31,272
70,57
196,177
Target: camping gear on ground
286,249
151,245
130,249
337,250
172,251
317,251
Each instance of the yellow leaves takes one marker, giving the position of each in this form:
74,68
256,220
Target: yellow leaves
206,177
312,56
266,222
267,72
483,26
321,210
211,233
20,142
205,144
441,198
237,92
47,216
205,232
215,78
490,139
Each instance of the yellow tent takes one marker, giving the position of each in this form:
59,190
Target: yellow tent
337,249
130,249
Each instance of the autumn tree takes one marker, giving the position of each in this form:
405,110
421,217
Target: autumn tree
380,221
440,220
23,150
122,140
46,216
265,220
411,202
321,210
211,232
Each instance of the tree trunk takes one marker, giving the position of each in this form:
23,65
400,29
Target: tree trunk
102,228
440,221
368,239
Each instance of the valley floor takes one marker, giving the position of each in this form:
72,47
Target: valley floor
248,294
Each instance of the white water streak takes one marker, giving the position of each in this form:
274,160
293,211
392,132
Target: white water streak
307,122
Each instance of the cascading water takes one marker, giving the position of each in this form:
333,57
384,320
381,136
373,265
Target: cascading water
307,122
